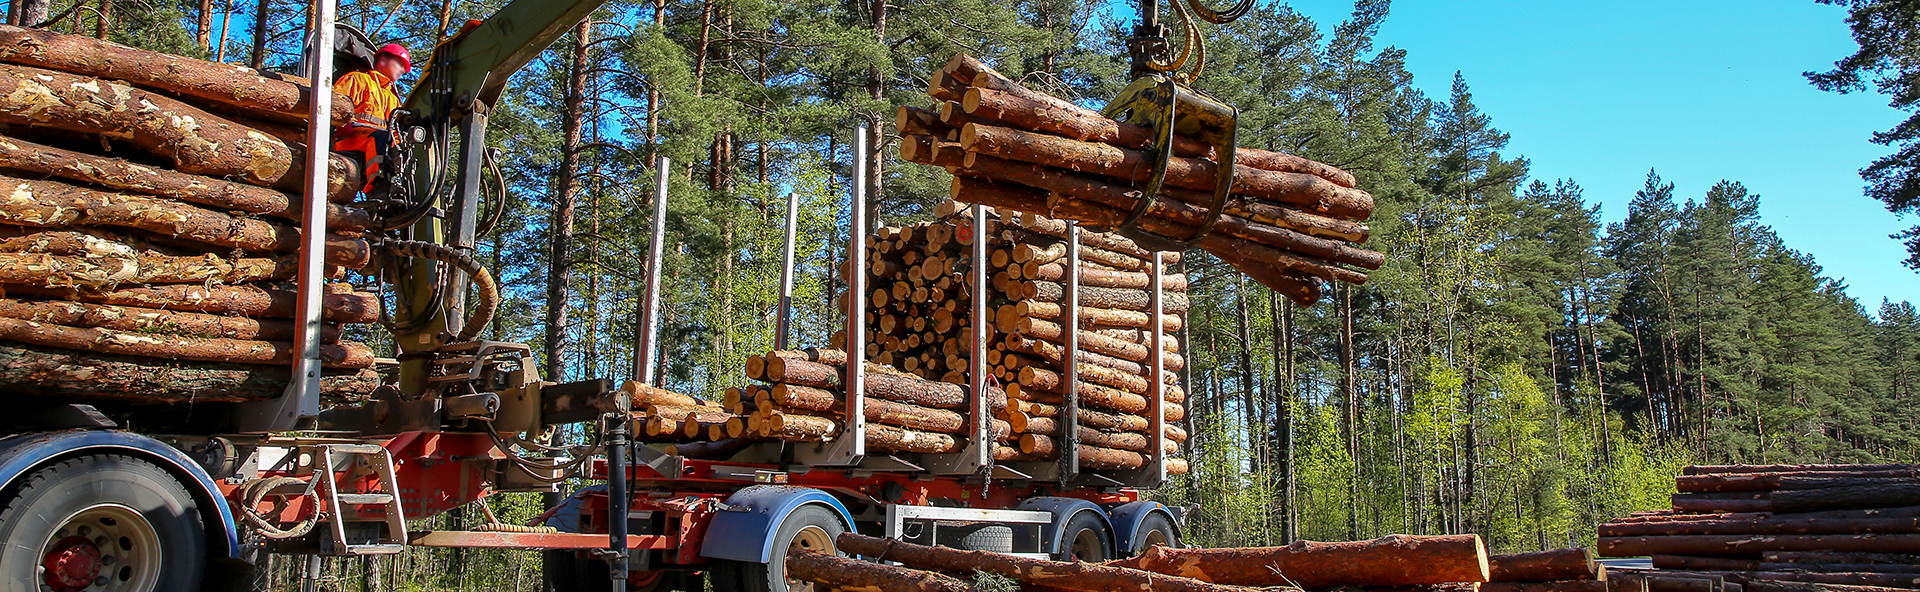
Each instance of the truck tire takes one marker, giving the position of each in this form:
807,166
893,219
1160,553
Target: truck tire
997,538
811,527
1156,530
1085,539
101,523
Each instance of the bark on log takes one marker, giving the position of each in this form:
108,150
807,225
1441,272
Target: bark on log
1781,586
646,395
1048,290
1897,525
1395,560
58,270
1105,240
147,320
1228,239
228,351
1544,566
904,440
194,140
1822,557
121,175
932,151
244,300
1097,343
1174,283
1712,469
880,383
1133,166
1754,544
1695,563
1855,495
1753,482
1701,505
231,87
54,372
1085,577
1056,355
853,575
43,204
1559,586
1887,580
876,409
1082,124
1090,317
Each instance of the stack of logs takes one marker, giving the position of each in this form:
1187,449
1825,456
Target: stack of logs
151,225
1448,563
918,322
801,399
1288,223
1806,526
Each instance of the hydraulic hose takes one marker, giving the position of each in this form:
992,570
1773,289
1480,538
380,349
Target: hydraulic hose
482,280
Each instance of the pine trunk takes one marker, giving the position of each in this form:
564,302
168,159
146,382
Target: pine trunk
1396,560
54,372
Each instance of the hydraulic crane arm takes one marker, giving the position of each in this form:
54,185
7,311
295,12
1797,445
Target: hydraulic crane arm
436,181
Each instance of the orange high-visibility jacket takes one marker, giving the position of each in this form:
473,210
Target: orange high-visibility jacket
373,101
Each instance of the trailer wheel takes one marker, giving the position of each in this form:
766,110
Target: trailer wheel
811,527
102,523
1155,531
1085,539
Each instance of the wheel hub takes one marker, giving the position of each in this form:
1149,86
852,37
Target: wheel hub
72,564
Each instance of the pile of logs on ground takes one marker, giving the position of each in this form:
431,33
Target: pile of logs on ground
149,227
1831,526
1289,224
1451,563
918,322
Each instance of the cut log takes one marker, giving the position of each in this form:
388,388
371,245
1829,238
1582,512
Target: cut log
1751,482
121,175
843,573
881,384
646,395
1544,566
1098,211
1821,557
43,204
1560,586
1695,563
1855,495
54,372
1766,526
231,87
195,141
1008,316
227,351
1885,580
245,300
1102,344
1711,469
58,271
147,320
1048,290
1172,283
1395,560
1693,503
1716,545
1084,577
1305,190
1780,586
1083,124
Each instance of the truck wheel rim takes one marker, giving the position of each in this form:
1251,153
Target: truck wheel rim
1086,546
1155,538
104,548
811,538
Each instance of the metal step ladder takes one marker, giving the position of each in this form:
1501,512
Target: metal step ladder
395,539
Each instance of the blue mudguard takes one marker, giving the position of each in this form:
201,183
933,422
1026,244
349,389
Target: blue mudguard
1063,509
22,454
1126,519
744,529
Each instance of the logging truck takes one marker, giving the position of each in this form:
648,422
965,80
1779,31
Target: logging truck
113,495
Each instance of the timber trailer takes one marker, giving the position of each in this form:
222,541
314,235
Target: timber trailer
110,496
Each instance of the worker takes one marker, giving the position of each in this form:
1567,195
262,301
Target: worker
373,101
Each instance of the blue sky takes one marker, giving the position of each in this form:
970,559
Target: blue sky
1600,92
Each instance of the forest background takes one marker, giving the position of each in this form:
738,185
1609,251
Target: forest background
1519,369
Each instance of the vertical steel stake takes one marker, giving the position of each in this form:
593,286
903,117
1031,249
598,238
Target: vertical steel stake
650,303
856,373
784,322
1069,427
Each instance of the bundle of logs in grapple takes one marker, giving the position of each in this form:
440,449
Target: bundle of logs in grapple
1404,563
1804,526
150,225
1289,222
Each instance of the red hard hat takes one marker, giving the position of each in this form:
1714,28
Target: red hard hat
398,51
